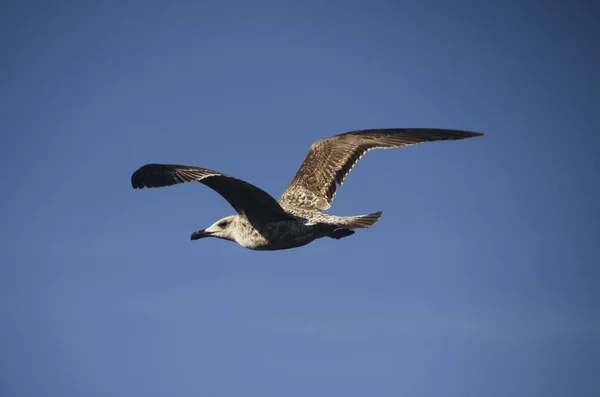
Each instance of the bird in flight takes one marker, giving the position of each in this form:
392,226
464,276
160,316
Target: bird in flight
296,219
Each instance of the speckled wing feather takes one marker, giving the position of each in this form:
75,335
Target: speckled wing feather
247,199
329,161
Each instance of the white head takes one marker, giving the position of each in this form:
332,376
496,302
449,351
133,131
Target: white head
223,228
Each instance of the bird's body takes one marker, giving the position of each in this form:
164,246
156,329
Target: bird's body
271,236
263,223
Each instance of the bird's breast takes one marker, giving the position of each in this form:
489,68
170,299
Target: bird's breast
279,235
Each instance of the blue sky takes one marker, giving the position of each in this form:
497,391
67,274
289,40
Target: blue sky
480,279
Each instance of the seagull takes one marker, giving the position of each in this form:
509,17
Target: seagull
296,219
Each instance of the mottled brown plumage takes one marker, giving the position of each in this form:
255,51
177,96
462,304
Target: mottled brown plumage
264,223
330,160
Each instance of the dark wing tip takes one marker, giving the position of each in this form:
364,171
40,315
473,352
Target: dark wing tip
151,175
136,179
473,133
442,134
448,133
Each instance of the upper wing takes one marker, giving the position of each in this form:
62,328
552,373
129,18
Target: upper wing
247,199
330,160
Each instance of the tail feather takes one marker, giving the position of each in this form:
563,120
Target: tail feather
360,221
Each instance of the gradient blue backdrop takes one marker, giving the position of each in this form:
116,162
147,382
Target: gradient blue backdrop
481,279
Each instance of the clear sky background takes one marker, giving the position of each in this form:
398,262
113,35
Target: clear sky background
481,279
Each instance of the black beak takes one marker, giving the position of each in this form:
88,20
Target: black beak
200,234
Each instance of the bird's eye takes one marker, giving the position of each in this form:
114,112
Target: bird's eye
222,224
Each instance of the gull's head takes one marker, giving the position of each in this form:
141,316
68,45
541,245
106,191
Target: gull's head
223,228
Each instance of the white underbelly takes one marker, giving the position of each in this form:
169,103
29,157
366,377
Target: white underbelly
281,238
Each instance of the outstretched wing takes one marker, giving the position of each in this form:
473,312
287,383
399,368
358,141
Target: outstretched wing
329,160
247,199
